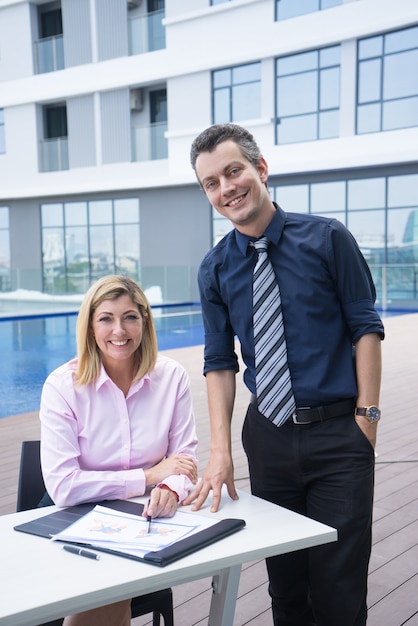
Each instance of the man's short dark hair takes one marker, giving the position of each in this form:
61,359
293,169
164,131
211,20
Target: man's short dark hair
216,134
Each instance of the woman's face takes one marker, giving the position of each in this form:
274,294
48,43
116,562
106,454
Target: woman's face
117,327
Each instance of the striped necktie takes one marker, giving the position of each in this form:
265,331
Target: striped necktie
274,388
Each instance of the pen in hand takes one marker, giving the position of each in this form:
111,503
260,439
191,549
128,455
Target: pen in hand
82,552
149,520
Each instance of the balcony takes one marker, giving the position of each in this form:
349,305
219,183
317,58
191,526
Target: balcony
149,142
146,33
54,154
49,54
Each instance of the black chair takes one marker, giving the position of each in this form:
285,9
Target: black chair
30,492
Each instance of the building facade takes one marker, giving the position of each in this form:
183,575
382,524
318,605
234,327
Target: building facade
101,99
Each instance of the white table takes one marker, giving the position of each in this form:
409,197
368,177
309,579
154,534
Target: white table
41,582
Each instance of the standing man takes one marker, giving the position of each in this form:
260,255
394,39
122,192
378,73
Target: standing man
310,428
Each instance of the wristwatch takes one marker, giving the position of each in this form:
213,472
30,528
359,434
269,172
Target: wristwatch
371,412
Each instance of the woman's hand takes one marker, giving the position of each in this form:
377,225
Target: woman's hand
176,464
162,502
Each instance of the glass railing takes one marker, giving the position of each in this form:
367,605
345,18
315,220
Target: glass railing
149,142
32,291
54,154
396,286
49,54
146,33
58,289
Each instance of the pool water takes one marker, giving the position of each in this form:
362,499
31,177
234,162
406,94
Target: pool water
32,348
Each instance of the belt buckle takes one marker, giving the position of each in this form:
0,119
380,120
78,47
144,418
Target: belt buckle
295,415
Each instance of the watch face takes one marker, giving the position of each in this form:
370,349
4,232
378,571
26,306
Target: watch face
373,413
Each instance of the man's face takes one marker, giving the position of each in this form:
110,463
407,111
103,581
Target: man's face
234,187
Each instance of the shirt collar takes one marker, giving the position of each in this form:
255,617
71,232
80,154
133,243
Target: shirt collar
104,377
273,231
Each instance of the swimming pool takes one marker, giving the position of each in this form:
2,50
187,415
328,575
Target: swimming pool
31,348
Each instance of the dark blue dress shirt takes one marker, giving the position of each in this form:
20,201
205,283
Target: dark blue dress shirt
327,296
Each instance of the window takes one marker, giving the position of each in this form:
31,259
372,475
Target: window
50,46
5,278
149,141
213,2
146,32
55,139
2,133
382,214
387,92
82,241
158,116
236,93
293,8
308,96
156,30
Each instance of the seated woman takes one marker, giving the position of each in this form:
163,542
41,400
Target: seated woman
117,421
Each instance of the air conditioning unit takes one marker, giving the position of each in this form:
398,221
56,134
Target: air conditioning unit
137,99
133,4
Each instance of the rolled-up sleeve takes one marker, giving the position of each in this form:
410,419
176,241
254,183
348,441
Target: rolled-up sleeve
219,351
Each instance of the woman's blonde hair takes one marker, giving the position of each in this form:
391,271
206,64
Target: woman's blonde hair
89,357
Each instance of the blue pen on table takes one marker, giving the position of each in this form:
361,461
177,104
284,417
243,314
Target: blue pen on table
82,552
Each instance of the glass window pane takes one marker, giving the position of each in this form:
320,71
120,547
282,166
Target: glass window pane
400,113
4,217
329,124
246,73
100,212
127,250
366,194
78,266
328,197
222,78
297,94
369,81
368,118
52,215
293,198
126,211
101,251
295,129
76,246
297,63
401,40
53,248
75,213
327,4
222,106
2,140
329,56
329,88
371,47
292,8
368,227
246,102
4,249
400,231
401,75
403,190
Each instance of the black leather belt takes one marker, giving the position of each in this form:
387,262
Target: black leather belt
309,415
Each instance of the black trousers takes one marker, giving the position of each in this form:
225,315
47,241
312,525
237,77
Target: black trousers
323,470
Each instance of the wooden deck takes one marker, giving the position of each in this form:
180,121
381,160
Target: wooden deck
393,580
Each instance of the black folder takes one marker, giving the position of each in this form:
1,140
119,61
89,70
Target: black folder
54,523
